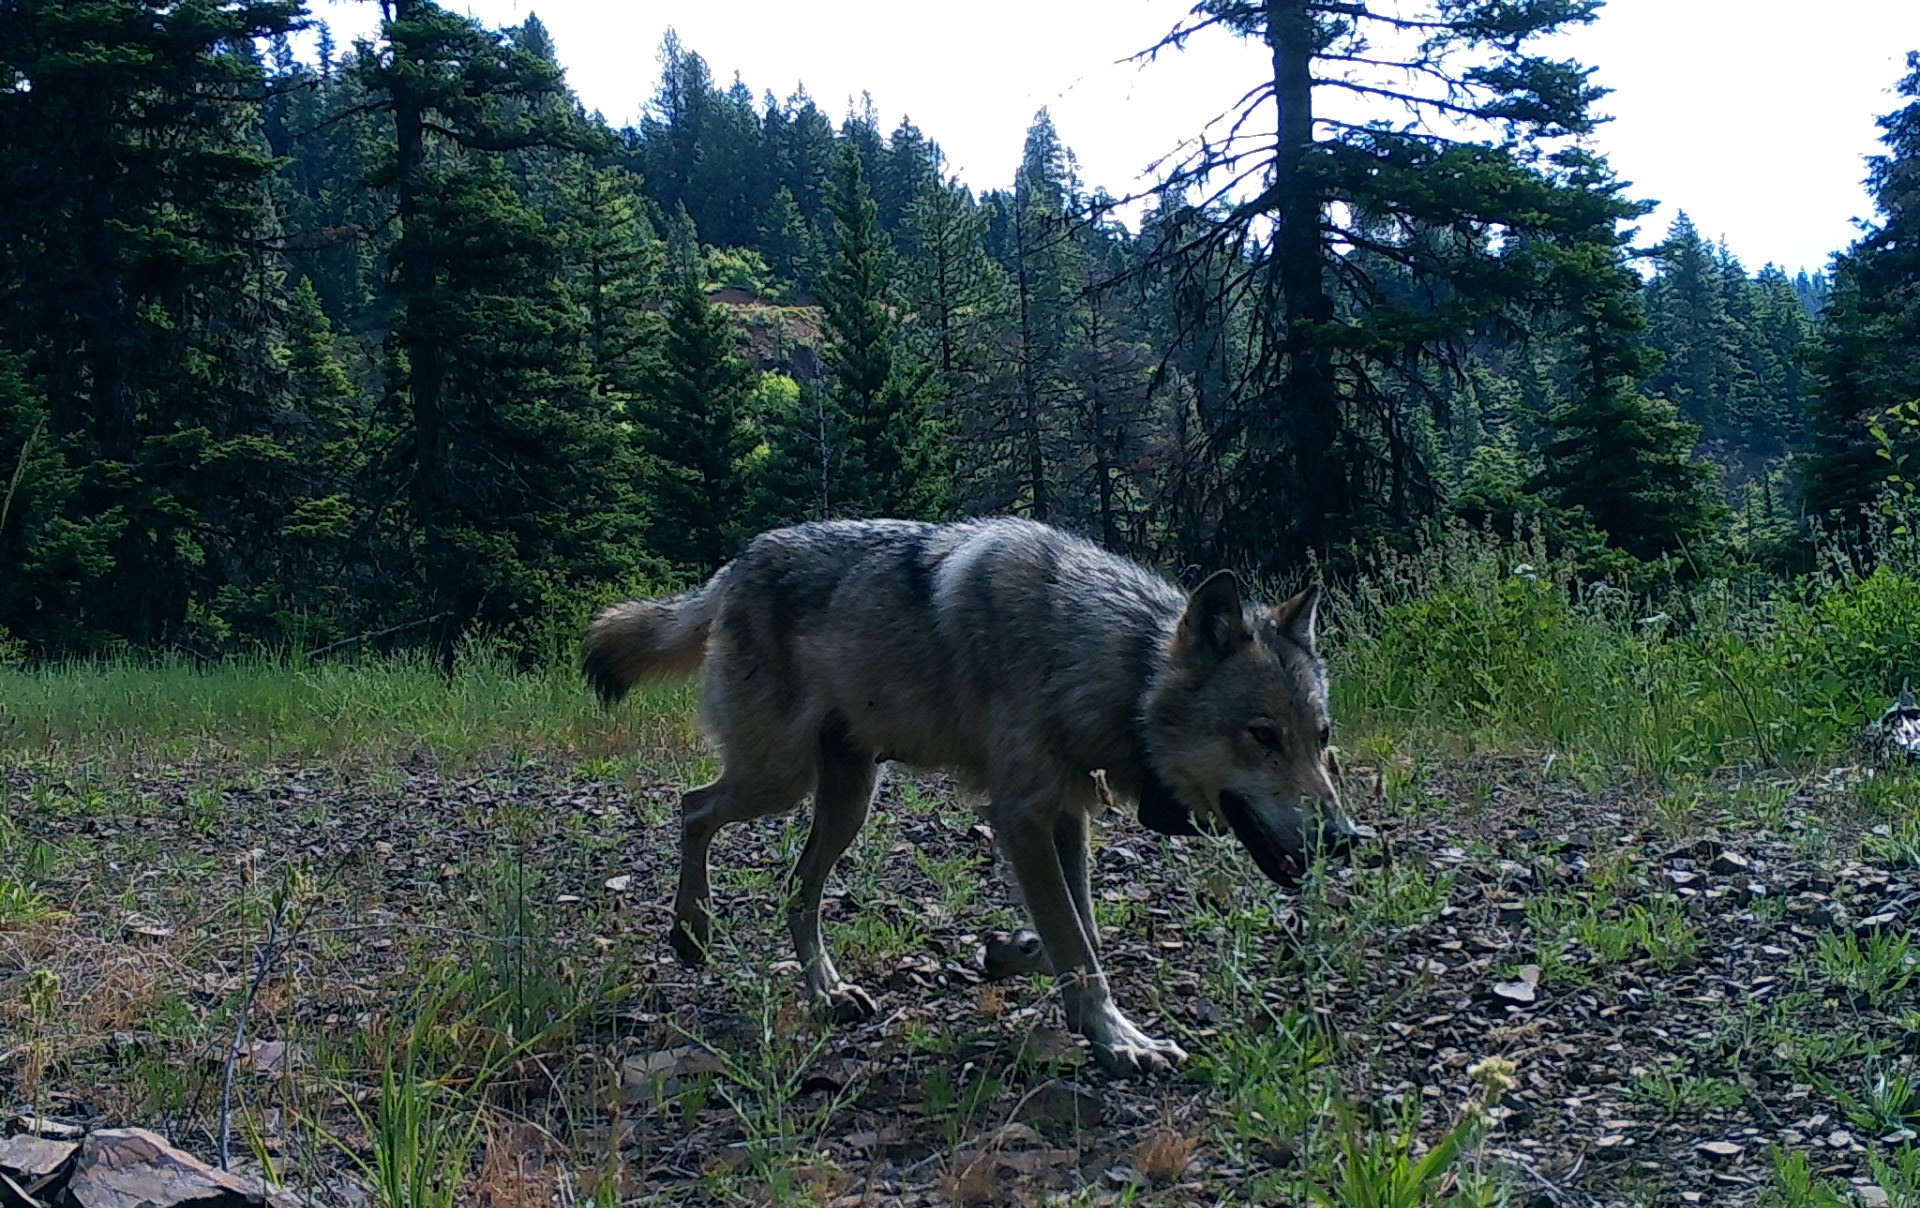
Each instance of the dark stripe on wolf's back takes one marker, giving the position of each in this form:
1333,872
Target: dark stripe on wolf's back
1050,593
913,555
977,587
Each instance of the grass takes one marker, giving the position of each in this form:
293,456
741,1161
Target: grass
265,709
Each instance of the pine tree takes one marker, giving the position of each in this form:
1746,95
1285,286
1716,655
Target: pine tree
957,300
894,464
517,484
792,248
138,286
694,428
50,551
1865,357
1695,333
1321,444
1620,459
614,263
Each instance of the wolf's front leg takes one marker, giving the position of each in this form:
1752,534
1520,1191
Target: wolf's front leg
1028,837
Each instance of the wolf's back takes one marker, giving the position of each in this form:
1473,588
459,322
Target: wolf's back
635,641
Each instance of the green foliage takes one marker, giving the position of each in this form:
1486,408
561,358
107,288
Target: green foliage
1872,323
395,346
49,552
694,427
1476,636
893,464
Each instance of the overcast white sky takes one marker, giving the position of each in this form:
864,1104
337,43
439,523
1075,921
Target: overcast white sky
1752,115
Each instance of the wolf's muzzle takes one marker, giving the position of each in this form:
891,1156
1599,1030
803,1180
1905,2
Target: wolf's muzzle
1274,856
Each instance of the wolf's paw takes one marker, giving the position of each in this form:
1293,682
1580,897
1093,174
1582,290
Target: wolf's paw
1123,1049
689,941
847,1003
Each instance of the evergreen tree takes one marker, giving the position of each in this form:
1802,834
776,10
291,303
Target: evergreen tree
695,431
893,464
614,263
517,484
1865,358
792,247
1622,460
138,289
1320,445
1695,333
49,551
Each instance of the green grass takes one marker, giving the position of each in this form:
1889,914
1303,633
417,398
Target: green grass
263,709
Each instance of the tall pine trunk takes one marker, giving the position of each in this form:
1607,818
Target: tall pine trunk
1308,389
425,373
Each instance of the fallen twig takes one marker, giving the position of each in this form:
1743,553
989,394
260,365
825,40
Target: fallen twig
330,647
266,956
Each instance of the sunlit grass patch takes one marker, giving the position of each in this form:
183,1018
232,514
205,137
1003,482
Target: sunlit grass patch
271,708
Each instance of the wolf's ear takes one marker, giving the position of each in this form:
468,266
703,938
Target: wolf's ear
1214,622
1295,617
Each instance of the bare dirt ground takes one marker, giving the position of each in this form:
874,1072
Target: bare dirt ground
1684,982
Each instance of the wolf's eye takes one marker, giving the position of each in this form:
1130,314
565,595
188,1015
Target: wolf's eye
1266,736
1326,735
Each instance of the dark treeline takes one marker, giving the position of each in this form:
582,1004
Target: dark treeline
398,334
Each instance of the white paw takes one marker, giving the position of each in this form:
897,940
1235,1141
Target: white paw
1123,1049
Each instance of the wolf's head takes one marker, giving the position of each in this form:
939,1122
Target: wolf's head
1236,728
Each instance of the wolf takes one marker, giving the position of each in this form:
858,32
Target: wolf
1018,657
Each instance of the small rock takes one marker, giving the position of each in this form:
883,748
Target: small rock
1840,1138
1875,923
1519,993
619,884
1873,1197
1720,1151
29,1159
1522,990
40,1126
1730,864
134,1168
138,928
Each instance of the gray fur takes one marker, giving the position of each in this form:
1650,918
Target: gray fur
1021,659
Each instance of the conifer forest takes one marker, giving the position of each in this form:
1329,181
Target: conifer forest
293,348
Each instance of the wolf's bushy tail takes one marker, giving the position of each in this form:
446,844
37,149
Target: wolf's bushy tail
639,640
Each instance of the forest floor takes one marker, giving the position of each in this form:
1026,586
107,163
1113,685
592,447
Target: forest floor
1705,993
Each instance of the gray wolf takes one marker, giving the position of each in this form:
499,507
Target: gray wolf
1023,660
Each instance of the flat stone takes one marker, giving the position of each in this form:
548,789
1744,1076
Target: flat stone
134,1168
29,1159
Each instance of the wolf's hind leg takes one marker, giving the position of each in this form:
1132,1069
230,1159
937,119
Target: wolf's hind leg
703,811
840,805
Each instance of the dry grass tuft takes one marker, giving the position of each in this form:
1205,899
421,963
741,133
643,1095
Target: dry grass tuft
1164,1155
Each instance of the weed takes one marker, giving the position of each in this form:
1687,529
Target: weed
1899,847
21,904
1677,1095
1795,1185
1395,1171
1877,965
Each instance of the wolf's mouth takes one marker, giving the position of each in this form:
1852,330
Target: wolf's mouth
1281,866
